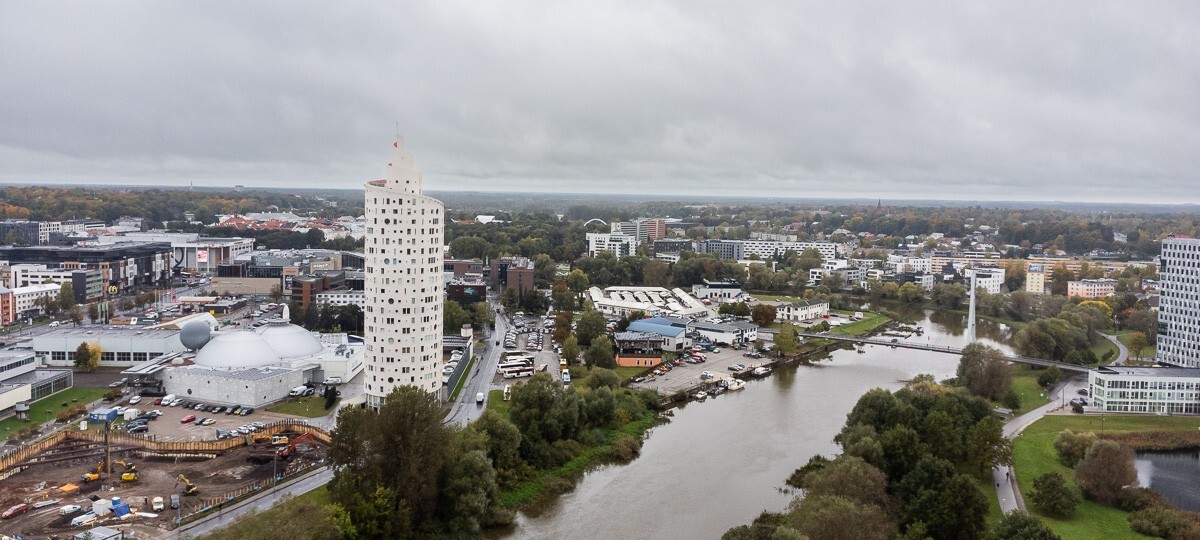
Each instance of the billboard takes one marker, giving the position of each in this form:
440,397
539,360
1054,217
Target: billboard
201,256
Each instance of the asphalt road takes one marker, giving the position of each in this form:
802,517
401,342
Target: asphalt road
465,409
258,503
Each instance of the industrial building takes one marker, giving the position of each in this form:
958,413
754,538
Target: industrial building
121,346
653,301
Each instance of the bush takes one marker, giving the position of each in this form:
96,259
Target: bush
1134,499
1163,522
1012,400
626,448
1071,446
1052,496
1105,471
69,413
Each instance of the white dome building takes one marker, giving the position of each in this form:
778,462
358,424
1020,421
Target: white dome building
290,341
237,349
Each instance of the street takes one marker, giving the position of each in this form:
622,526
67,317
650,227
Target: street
464,409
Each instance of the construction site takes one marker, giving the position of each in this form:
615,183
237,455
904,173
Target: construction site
75,480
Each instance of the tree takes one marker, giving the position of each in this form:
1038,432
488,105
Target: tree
849,477
562,297
66,297
93,312
786,341
470,493
1049,377
577,281
1059,276
75,314
1105,470
570,349
1052,496
276,292
600,353
1018,525
483,315
454,317
910,293
987,446
763,314
96,353
1072,446
591,325
1138,343
984,371
83,356
398,454
330,397
503,445
830,517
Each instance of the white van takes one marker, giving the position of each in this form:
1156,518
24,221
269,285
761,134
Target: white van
168,399
157,504
479,398
333,380
298,391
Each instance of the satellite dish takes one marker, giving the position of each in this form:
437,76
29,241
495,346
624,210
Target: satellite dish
195,334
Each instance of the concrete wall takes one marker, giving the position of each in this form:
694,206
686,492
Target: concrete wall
10,395
219,388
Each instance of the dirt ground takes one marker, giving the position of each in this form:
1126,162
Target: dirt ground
215,478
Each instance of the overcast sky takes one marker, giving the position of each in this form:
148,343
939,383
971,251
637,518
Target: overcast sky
1078,101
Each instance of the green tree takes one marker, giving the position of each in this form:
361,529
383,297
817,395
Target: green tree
849,477
93,312
577,281
984,371
910,293
1072,446
830,517
454,317
1105,471
66,297
987,446
786,341
470,493
1049,377
482,314
763,314
590,326
1060,275
83,356
1138,343
503,446
561,297
1018,525
570,349
401,450
600,353
1052,497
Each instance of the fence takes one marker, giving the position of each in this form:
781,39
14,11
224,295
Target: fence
208,505
12,462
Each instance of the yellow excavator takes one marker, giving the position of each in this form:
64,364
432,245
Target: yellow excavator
130,474
188,487
92,476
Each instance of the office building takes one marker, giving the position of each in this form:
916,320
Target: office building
122,266
621,245
513,273
1170,390
646,230
404,243
1179,303
87,285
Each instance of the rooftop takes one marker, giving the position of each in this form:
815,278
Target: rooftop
109,331
1150,371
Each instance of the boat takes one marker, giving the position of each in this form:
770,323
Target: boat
734,384
761,371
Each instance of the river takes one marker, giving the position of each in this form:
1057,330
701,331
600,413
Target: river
719,463
1172,475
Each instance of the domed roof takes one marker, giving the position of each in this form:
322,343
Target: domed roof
291,341
237,349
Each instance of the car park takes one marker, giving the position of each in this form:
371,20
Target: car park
737,367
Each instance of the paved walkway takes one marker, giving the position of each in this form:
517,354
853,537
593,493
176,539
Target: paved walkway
257,503
1123,351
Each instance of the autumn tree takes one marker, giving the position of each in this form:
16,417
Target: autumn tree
1072,446
763,314
984,371
1138,343
1105,471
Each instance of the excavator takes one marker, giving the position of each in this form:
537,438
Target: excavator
188,487
286,452
92,476
130,474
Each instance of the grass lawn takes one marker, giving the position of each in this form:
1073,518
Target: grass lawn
497,404
287,511
308,407
777,298
1034,455
1123,336
43,410
1102,348
870,322
1026,385
625,373
463,379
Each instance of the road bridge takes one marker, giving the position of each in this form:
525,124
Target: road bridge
1074,368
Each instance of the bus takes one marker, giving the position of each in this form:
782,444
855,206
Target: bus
514,372
510,365
515,356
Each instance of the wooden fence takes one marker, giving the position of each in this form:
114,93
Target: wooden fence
26,451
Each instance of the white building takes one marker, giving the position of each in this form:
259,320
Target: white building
653,301
1179,303
1168,390
988,279
403,281
25,299
341,298
120,346
719,290
805,310
621,245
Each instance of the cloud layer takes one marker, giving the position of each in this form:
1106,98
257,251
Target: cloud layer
1088,101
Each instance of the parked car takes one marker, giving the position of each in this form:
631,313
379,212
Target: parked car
140,428
333,380
737,367
69,509
209,421
233,410
187,419
15,511
174,500
135,400
157,504
247,410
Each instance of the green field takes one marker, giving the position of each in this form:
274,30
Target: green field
1026,385
777,298
308,407
1103,347
1123,336
463,379
292,514
870,322
1034,455
625,373
497,404
43,410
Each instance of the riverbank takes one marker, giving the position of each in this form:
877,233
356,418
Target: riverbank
1034,455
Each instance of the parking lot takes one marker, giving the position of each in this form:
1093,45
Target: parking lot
168,428
547,356
687,376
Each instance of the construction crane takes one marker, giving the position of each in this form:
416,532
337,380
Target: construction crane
188,487
287,451
130,474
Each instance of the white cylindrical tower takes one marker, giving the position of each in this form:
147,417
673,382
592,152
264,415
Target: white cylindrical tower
405,234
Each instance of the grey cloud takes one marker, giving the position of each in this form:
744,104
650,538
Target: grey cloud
1066,101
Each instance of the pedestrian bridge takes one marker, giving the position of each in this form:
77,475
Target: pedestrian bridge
1074,368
